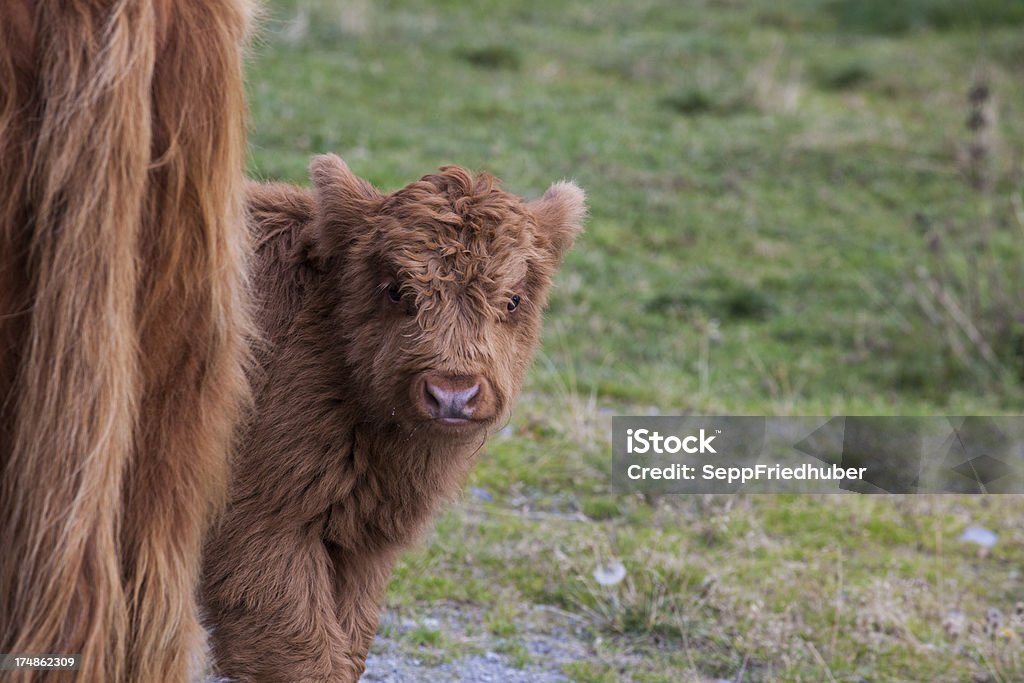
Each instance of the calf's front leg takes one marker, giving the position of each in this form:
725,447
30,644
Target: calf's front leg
274,616
360,580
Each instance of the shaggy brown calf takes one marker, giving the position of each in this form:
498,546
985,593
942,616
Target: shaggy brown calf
122,323
399,328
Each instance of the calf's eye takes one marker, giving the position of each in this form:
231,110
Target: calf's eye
513,303
394,293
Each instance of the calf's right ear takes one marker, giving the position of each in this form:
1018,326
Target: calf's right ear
559,215
344,203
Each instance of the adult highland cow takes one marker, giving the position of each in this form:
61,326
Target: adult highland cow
399,328
122,323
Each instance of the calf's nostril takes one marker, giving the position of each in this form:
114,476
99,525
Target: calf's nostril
433,397
466,395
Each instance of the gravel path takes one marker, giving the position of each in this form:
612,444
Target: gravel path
487,668
395,658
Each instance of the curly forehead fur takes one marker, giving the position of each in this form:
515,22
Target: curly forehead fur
454,236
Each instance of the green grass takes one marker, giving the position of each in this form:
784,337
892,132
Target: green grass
766,182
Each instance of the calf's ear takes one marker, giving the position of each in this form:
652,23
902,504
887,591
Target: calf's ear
344,203
341,196
559,215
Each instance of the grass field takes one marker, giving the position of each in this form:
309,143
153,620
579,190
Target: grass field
804,208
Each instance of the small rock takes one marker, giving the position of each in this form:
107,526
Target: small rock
979,535
610,574
481,494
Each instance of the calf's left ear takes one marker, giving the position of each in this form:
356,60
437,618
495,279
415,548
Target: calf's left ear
559,215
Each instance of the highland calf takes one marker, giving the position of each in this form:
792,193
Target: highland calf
398,329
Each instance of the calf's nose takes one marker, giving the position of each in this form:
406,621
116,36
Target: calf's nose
450,397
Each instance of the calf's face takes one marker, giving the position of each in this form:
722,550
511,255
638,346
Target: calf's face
437,291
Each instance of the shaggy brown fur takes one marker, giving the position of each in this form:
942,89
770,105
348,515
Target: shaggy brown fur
122,322
399,329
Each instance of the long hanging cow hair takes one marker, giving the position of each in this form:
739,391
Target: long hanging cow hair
123,323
